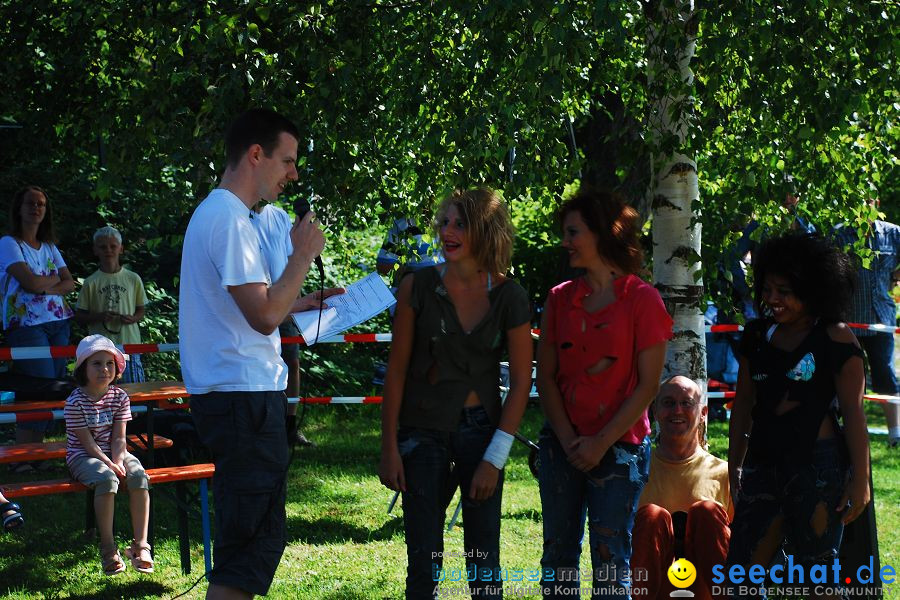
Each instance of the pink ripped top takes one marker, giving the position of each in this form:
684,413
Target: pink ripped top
618,332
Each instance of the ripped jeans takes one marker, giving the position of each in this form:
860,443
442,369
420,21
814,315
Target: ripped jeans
435,463
608,496
798,500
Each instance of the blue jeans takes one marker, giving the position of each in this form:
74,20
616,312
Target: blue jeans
608,496
794,492
434,464
880,354
53,333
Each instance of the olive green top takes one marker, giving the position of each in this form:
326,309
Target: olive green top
457,361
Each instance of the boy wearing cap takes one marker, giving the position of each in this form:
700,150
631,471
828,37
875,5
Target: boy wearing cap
112,299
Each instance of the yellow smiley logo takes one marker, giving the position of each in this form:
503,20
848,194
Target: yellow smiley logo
682,573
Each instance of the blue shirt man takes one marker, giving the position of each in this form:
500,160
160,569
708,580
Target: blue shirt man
405,239
873,304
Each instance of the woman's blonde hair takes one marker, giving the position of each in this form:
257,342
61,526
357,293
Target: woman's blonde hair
488,224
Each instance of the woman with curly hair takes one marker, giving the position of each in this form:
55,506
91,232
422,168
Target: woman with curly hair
453,323
796,475
602,349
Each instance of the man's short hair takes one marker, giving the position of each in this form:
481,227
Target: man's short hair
256,126
108,231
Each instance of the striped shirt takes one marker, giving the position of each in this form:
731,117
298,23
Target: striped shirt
82,412
872,302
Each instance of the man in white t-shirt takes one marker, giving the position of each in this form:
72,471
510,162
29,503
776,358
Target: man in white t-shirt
229,312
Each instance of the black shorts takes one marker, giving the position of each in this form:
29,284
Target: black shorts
245,431
289,329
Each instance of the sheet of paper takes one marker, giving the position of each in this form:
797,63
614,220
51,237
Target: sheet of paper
363,300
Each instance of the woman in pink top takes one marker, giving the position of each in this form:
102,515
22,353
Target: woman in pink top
602,349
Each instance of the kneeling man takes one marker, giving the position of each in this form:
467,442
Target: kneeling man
685,508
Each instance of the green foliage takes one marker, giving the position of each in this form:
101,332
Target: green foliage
122,108
535,265
160,325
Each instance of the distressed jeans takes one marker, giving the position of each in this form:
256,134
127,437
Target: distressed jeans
435,463
798,495
608,497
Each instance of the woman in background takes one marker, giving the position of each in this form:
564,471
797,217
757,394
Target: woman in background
33,281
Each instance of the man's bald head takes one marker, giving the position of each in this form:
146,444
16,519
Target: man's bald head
680,413
681,385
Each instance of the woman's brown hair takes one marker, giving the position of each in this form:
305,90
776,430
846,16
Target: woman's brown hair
615,224
45,232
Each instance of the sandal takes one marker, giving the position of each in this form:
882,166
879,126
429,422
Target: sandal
140,557
14,519
112,561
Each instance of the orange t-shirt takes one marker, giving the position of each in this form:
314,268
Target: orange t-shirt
675,486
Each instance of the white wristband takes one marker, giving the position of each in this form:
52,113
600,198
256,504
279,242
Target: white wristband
498,450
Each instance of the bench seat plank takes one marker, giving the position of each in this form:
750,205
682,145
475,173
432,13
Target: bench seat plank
53,450
64,486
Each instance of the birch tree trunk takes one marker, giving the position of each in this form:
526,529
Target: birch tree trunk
674,192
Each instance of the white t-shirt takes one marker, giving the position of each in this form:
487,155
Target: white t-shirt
21,308
274,228
219,349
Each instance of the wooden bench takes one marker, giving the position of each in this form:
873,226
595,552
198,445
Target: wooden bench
177,475
54,450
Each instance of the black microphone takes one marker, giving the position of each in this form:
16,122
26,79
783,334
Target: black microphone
301,207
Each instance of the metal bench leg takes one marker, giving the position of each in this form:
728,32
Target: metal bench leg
204,516
90,519
150,536
183,540
455,514
393,502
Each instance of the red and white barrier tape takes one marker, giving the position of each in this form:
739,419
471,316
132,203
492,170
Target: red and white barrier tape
873,327
337,400
49,415
39,352
32,352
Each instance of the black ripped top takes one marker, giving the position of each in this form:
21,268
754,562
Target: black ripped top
463,361
805,375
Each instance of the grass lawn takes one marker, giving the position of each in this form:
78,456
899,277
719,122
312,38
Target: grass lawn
341,543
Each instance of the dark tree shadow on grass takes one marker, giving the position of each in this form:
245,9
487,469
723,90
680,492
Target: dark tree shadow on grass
36,577
330,531
131,589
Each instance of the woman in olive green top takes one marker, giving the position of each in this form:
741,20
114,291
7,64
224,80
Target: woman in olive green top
442,403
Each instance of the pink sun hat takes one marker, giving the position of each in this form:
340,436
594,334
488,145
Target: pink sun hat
98,343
